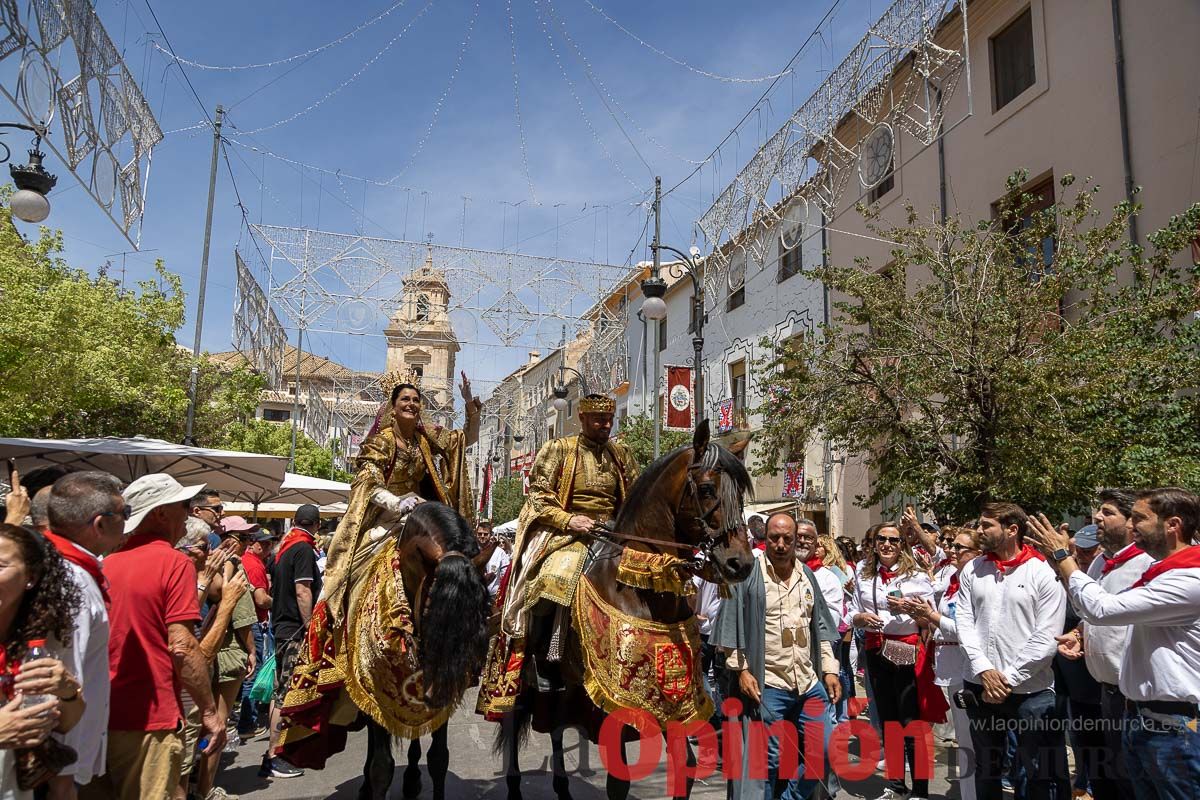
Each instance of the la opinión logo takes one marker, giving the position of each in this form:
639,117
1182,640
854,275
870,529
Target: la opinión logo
744,745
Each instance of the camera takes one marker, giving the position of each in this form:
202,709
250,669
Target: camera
965,699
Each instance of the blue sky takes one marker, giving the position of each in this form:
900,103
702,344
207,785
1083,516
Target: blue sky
375,125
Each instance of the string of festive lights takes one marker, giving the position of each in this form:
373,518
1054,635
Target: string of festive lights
678,61
512,41
605,93
357,74
579,103
306,54
437,109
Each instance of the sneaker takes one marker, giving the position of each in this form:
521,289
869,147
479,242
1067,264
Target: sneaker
1006,784
232,743
278,768
217,793
892,794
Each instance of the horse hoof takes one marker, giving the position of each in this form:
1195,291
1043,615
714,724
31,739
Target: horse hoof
411,787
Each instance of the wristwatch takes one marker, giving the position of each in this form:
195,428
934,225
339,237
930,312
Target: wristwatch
1058,555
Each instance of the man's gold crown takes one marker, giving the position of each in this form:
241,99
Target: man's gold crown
597,405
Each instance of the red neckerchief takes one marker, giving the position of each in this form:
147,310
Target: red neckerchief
295,536
1026,554
945,562
1188,557
1130,552
814,564
952,587
886,574
88,563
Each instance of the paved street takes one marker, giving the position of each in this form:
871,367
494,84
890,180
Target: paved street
476,773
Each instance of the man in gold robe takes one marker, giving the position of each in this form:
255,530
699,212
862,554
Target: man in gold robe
576,483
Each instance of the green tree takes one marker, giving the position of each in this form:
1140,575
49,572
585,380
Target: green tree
273,439
81,356
637,433
968,369
508,495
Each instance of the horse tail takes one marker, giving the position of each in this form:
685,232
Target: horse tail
453,630
513,731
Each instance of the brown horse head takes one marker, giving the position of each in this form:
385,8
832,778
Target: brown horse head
437,559
695,493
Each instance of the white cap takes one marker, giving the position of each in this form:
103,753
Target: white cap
151,491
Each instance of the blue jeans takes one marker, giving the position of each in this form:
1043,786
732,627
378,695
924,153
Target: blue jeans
1164,756
1041,744
248,718
798,709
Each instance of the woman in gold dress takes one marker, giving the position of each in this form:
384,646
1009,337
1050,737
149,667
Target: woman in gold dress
403,462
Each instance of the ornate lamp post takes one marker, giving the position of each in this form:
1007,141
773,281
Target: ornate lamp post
29,202
655,308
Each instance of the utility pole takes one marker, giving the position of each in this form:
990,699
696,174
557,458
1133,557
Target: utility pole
194,378
296,397
657,323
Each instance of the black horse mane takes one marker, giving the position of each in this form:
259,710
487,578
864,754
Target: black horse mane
454,621
639,495
441,522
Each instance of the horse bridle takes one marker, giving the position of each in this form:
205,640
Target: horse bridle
711,537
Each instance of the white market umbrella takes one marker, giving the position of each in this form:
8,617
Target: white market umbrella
301,489
279,510
236,475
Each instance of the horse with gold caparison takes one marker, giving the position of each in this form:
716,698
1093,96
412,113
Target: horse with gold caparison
632,640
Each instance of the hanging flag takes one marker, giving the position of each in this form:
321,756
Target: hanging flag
725,416
680,411
793,479
486,490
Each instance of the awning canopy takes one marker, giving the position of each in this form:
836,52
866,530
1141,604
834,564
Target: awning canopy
236,475
279,510
765,509
300,489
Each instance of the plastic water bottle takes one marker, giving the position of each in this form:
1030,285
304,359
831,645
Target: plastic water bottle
36,649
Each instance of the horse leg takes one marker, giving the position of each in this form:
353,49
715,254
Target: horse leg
690,760
411,787
562,789
377,772
616,788
512,750
438,761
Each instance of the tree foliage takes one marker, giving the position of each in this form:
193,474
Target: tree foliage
80,356
637,433
966,370
508,495
275,439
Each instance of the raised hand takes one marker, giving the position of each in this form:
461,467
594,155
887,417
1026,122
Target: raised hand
1043,535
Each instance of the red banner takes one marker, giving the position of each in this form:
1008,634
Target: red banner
793,479
680,410
486,489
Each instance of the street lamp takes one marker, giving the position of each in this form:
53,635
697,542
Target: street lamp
29,202
655,308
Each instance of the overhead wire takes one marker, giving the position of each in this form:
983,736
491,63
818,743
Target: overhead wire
354,77
766,93
512,40
306,54
437,109
678,61
579,103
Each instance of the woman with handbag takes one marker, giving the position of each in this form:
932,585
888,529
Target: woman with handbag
38,600
888,575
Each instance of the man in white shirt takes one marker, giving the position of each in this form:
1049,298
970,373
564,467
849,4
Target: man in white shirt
806,551
1011,609
1160,669
493,573
1120,563
87,520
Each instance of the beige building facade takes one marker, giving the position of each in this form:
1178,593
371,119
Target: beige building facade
1046,97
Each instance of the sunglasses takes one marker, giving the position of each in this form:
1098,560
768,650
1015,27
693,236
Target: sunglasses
888,539
217,508
960,548
125,513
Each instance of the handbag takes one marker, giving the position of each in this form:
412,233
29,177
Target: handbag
38,764
263,687
900,653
